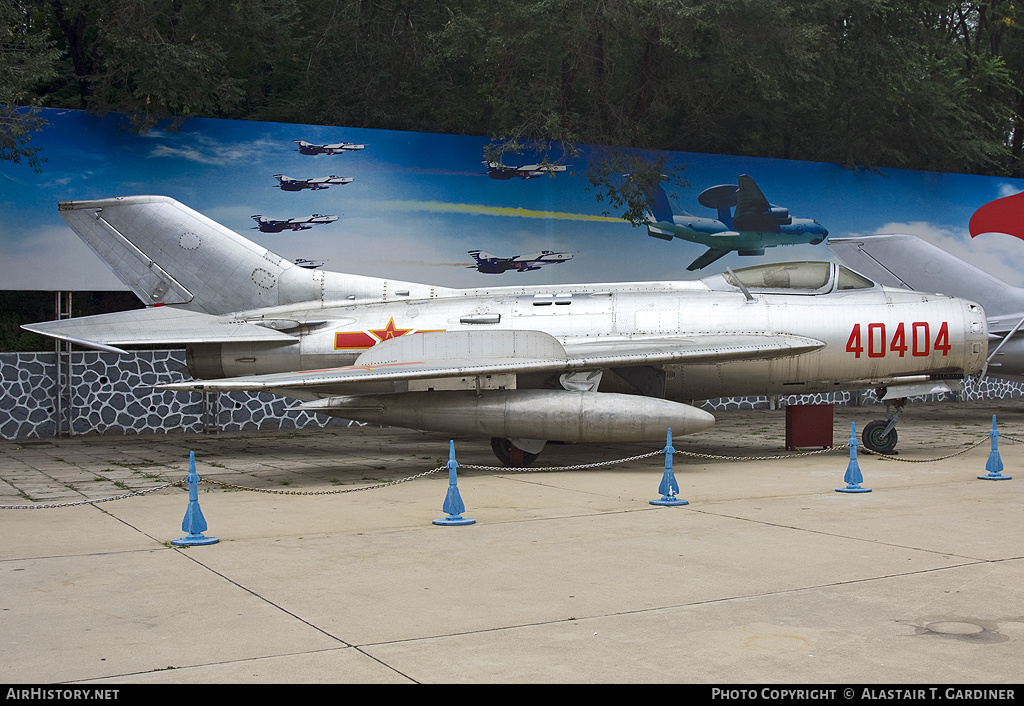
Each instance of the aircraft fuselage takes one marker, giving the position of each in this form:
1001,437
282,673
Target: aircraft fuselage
870,337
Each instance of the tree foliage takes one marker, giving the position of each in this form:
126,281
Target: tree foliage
27,58
923,84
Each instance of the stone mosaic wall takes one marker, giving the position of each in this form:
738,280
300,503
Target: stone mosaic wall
112,394
973,389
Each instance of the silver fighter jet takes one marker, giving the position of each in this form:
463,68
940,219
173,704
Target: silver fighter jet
519,364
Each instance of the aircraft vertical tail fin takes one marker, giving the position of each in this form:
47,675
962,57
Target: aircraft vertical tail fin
169,254
661,207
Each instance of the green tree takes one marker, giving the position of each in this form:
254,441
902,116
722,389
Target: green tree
160,59
925,84
897,92
989,40
27,58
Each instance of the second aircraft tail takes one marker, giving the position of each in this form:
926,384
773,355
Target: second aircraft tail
906,261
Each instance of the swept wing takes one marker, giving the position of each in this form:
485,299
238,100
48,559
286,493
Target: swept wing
445,354
753,212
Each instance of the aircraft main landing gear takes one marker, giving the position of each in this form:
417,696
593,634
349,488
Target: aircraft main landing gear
880,435
511,455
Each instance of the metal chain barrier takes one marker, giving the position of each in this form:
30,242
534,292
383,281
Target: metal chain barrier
893,457
543,469
336,491
506,469
761,458
132,494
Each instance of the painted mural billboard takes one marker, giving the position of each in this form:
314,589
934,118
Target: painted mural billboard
426,207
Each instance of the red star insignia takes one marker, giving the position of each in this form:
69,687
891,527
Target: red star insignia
389,331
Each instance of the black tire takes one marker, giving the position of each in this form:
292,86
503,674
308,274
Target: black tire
509,455
876,440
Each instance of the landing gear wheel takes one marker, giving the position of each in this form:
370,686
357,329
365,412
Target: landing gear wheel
876,440
510,455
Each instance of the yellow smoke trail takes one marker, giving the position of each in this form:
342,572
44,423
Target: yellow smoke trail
441,207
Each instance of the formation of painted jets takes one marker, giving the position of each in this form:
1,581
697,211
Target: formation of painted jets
493,264
335,148
497,170
287,183
270,225
309,264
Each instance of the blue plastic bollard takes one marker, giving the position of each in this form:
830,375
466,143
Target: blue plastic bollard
853,475
453,504
994,465
669,488
194,522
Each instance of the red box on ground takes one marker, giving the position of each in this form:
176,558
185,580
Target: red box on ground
808,425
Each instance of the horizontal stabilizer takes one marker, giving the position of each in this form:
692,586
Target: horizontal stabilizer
154,326
656,232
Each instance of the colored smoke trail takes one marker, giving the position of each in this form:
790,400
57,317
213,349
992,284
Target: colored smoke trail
476,209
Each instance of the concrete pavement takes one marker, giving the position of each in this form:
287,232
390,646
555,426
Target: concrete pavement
767,576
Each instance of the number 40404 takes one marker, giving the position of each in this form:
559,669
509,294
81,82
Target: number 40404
907,339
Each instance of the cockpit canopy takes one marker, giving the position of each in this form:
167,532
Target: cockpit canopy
793,278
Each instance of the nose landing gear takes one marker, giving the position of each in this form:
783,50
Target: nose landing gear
880,435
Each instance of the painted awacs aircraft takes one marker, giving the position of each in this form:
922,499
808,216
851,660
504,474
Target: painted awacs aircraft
519,364
271,225
756,224
289,184
335,148
495,265
497,170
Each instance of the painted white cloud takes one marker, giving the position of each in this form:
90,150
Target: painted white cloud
53,259
1008,190
206,150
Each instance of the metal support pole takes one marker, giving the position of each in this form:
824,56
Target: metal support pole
62,361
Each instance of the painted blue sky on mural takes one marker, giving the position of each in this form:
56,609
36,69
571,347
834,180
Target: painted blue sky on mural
418,202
